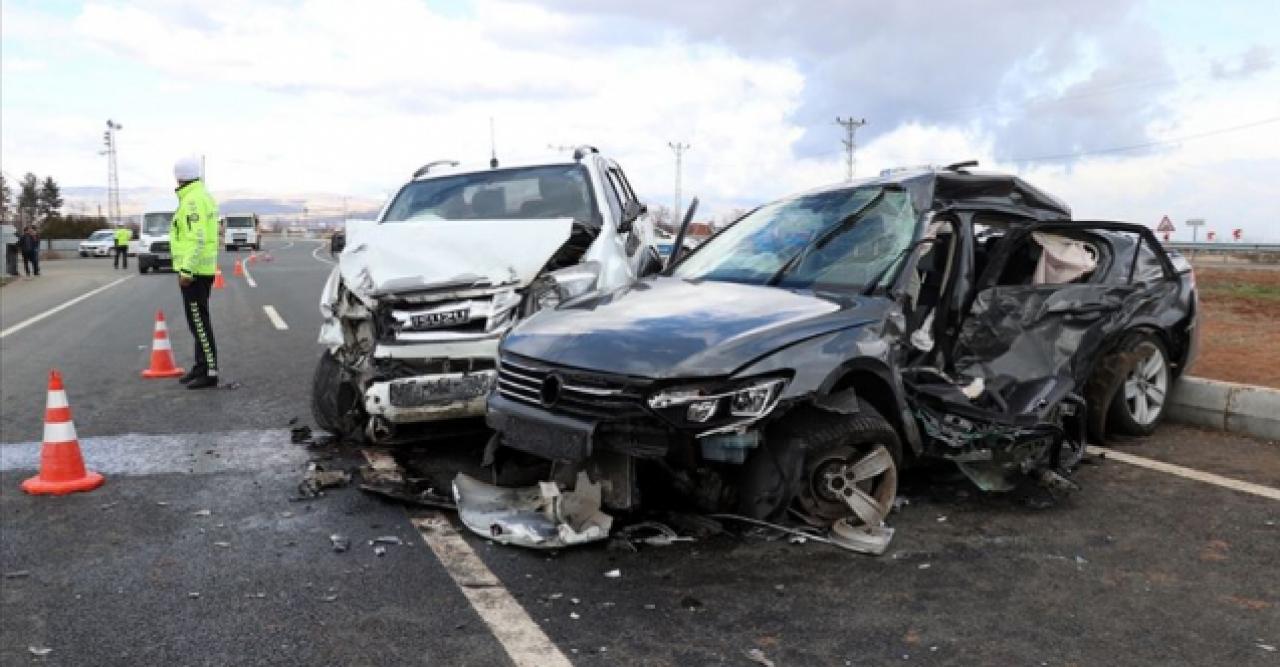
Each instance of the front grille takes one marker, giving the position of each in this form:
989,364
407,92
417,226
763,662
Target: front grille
582,393
160,246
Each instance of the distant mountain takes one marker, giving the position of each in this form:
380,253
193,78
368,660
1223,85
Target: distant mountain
288,209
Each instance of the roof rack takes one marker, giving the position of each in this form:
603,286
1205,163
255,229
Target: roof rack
422,171
582,151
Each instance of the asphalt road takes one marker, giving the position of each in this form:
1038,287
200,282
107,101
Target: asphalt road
1140,568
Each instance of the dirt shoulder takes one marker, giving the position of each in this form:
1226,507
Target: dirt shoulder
1240,325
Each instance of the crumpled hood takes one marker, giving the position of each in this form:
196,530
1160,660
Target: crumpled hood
438,254
669,327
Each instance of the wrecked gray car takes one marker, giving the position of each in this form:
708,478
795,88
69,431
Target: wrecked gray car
798,360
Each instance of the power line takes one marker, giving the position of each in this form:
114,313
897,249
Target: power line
679,150
1148,144
850,126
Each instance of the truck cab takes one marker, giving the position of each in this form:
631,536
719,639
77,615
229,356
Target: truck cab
153,237
241,231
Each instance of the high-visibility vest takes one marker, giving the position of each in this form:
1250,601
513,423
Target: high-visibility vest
193,235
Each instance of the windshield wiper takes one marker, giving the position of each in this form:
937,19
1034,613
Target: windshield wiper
824,238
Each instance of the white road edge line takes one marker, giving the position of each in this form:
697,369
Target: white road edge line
32,320
244,267
523,640
276,320
1188,473
525,643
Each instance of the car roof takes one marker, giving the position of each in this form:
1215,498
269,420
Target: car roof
445,169
962,188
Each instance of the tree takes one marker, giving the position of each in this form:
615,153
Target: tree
6,196
50,200
660,217
28,199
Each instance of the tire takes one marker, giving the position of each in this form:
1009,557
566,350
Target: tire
84,254
805,445
257,247
1140,400
335,404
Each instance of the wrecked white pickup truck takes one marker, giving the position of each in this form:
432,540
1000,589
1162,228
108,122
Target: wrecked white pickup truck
420,296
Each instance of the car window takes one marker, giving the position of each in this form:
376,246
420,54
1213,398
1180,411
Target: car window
1148,266
101,235
556,191
157,224
613,195
810,242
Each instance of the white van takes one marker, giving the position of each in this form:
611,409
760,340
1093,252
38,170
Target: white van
153,239
240,231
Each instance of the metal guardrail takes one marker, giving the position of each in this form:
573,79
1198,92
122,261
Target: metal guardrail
1225,246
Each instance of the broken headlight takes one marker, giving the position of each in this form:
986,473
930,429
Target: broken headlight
717,408
568,283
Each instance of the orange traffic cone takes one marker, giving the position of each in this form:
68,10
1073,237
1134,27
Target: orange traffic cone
253,258
218,282
162,365
239,271
61,465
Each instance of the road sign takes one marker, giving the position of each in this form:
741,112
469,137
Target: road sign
1212,235
1237,234
1166,225
1195,224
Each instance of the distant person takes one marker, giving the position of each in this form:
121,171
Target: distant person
29,246
122,236
193,238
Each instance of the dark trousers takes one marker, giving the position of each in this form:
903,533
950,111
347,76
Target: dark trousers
31,262
122,254
195,302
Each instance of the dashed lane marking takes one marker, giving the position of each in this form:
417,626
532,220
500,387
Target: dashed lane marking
56,309
525,643
1188,473
276,320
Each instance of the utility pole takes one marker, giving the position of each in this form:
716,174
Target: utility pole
679,149
113,175
493,146
850,126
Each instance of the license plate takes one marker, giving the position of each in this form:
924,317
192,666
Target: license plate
440,390
444,318
553,439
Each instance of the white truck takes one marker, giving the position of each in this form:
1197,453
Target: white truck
241,231
153,237
419,298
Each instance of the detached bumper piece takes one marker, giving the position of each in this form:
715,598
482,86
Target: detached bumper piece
538,517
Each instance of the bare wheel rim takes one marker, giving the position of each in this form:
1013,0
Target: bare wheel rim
854,483
1146,386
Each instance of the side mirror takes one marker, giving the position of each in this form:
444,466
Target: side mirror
630,213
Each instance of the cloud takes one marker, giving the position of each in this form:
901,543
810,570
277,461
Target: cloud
1255,59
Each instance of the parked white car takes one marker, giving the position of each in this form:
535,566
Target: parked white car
420,296
99,244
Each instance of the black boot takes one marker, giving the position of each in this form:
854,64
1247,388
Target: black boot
192,374
203,382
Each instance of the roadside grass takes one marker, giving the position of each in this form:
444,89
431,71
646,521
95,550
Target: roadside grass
1243,290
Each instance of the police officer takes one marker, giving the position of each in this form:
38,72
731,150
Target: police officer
122,236
193,239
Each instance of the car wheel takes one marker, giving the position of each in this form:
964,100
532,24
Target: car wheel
832,466
84,254
335,404
1139,402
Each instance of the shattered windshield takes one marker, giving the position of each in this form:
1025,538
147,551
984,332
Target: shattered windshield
838,240
558,191
156,224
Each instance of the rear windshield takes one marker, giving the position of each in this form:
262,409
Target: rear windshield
558,191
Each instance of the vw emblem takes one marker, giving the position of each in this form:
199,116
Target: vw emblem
550,393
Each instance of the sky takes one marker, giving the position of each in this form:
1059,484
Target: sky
1127,109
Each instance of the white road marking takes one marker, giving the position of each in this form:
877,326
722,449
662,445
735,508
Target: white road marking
275,318
318,257
244,267
1188,473
32,320
525,643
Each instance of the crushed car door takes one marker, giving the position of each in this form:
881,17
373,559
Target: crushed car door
1051,297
